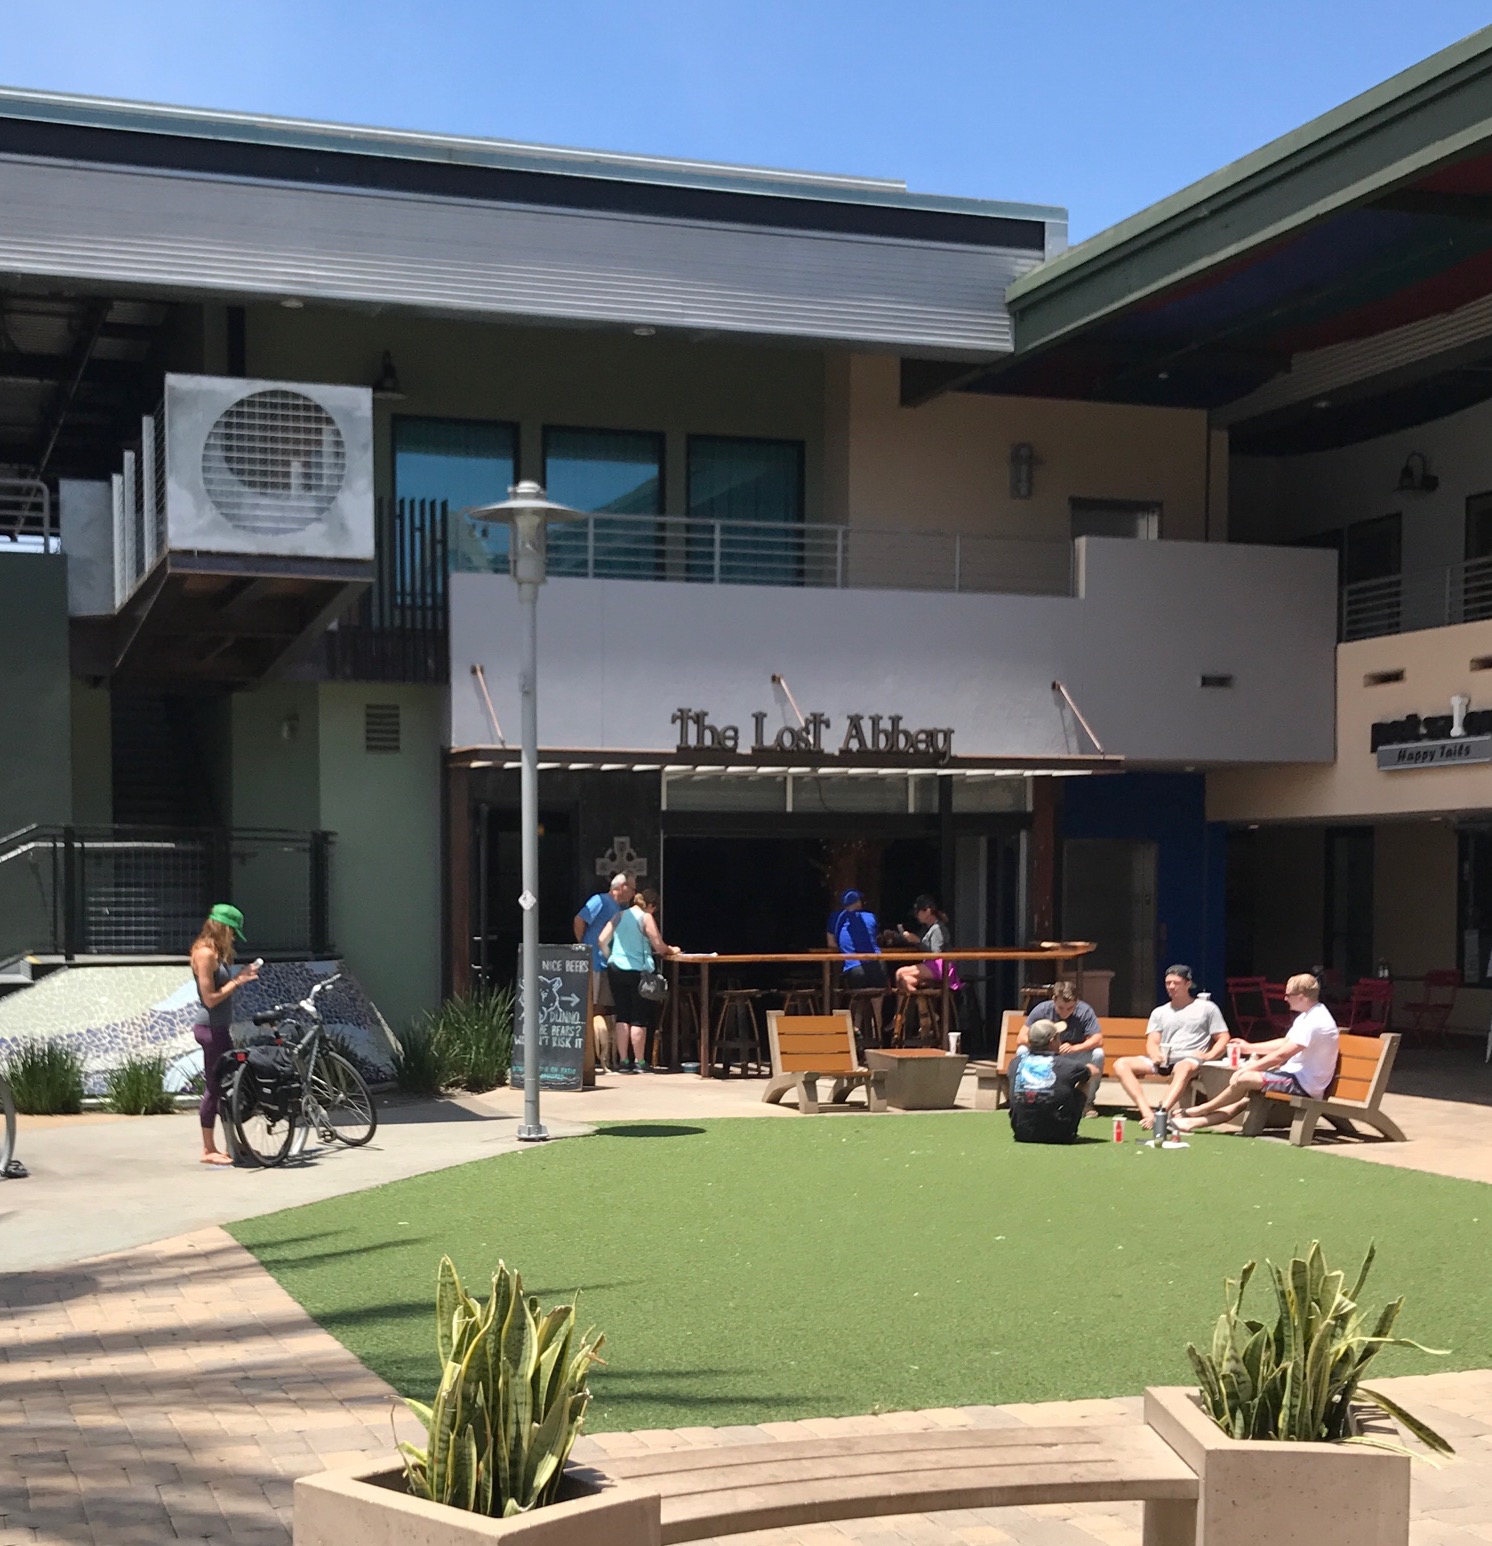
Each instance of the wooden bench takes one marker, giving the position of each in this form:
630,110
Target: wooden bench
730,1490
1363,1067
807,1048
1122,1037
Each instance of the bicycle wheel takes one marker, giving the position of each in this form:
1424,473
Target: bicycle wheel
343,1100
7,1126
264,1133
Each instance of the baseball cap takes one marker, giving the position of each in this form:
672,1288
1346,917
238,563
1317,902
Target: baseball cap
223,912
1178,970
850,896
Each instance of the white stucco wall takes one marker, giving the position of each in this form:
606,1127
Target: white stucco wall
618,658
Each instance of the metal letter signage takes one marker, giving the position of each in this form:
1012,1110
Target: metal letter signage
1435,754
867,737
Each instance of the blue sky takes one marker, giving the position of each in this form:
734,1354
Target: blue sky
1101,105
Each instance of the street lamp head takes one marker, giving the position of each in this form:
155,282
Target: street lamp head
528,511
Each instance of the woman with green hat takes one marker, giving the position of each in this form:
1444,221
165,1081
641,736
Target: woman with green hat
212,958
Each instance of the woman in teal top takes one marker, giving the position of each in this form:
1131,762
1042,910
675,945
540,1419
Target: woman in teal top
632,944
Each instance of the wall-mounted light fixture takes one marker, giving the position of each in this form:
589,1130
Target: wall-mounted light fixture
290,726
1022,469
1415,476
386,384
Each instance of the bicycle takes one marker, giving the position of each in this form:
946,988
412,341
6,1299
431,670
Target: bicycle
277,1085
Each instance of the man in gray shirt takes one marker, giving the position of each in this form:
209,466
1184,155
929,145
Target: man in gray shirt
1183,1033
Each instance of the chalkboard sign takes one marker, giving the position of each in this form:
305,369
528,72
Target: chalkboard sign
564,999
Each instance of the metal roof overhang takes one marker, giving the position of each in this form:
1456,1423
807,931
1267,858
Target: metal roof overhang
623,760
1326,288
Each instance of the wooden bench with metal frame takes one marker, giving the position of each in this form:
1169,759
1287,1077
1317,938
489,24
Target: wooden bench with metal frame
1354,1094
807,1048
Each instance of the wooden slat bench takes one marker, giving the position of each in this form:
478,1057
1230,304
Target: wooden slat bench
1122,1037
1354,1095
807,1048
730,1490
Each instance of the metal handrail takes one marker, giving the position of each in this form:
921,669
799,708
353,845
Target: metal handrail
1422,598
26,516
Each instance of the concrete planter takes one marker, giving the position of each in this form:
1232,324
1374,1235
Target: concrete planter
368,1506
1287,1494
919,1079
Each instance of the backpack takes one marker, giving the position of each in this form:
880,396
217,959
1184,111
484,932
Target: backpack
1042,1109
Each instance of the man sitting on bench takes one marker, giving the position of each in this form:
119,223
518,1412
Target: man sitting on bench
1182,1034
1301,1062
1081,1033
1049,1088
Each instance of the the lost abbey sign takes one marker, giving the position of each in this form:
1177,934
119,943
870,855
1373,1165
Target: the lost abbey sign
866,737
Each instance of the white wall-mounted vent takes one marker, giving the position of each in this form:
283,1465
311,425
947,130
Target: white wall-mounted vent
270,467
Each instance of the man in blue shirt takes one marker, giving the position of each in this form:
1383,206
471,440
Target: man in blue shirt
589,921
852,931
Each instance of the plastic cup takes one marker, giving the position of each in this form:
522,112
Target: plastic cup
955,1038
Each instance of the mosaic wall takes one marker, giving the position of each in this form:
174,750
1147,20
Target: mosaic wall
108,1014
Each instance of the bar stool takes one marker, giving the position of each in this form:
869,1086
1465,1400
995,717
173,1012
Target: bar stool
867,1009
1032,993
800,1001
930,1028
738,1033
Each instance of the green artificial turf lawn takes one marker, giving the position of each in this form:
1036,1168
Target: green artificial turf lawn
744,1271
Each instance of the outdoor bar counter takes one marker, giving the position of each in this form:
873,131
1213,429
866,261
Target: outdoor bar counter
1061,953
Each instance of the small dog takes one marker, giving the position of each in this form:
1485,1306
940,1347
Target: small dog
602,1038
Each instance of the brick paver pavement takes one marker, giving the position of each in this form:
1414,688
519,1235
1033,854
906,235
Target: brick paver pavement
175,1391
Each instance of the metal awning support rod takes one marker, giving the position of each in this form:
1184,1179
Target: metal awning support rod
497,729
1078,715
781,681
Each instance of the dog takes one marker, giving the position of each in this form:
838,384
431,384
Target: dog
604,1044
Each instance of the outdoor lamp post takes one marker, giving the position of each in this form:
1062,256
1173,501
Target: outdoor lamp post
527,513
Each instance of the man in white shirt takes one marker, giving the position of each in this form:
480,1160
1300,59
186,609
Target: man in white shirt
1183,1032
1302,1062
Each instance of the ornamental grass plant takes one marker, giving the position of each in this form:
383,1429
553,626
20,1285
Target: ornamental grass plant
473,1032
137,1088
46,1079
1301,1377
420,1065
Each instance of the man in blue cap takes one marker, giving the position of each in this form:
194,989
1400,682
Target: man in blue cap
852,931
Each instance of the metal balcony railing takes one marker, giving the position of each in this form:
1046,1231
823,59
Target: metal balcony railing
1425,598
27,519
687,550
121,890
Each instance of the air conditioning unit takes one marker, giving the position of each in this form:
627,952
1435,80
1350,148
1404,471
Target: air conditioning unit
274,468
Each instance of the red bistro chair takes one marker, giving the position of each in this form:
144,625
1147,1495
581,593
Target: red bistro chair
1250,1010
1428,1014
1277,1008
1371,1006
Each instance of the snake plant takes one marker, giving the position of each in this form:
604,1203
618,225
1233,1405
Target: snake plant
511,1399
1299,1378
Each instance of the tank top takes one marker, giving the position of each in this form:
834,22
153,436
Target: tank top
630,950
221,1013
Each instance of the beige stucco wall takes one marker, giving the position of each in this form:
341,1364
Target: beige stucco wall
1435,663
946,465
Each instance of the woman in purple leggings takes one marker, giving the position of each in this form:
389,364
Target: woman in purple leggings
212,960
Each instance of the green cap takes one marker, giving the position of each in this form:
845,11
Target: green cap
222,912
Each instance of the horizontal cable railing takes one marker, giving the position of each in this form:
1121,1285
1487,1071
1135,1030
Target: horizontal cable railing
127,890
1424,598
27,517
683,549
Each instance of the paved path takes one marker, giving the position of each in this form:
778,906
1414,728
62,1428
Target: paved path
176,1392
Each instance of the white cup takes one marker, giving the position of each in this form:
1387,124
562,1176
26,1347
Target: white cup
954,1038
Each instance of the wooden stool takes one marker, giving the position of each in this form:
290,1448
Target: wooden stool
801,1001
867,1007
738,1033
1032,994
930,1026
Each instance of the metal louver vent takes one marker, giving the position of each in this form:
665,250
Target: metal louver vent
381,727
274,462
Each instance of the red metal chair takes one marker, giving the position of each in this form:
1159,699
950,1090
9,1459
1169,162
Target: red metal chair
1250,1010
1277,1008
1428,1015
1371,1007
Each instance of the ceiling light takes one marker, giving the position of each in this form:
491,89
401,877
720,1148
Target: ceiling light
386,385
291,303
643,332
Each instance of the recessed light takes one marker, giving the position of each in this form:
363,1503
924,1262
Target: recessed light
643,332
1165,375
290,303
1322,402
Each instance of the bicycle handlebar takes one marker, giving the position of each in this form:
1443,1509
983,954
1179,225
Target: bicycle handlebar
269,1016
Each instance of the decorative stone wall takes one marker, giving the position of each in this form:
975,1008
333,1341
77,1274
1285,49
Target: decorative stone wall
110,1013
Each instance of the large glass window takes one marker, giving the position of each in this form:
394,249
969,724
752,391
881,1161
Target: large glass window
464,462
616,475
758,484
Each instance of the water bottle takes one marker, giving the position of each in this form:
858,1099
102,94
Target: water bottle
1160,1126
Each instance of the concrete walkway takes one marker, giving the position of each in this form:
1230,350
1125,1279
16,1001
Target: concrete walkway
175,1392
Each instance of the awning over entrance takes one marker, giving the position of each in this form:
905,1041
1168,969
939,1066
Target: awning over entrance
775,763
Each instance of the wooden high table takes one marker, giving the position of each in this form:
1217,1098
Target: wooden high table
831,961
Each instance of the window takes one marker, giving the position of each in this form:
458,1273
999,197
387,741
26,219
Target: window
1115,518
616,475
464,462
1370,554
755,485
